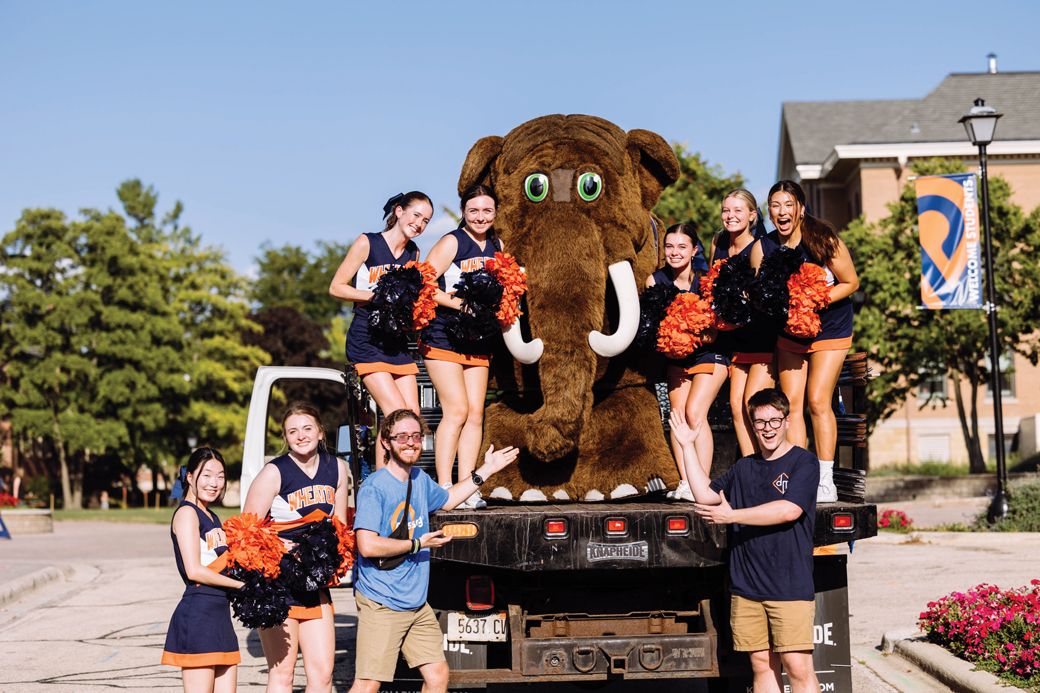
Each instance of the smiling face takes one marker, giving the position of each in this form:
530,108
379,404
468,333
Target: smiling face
737,217
302,435
786,212
479,214
763,419
208,481
405,441
679,250
412,220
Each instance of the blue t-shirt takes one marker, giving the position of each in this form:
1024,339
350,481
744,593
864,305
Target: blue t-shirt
380,503
773,562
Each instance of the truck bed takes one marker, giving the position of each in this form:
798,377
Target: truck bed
655,534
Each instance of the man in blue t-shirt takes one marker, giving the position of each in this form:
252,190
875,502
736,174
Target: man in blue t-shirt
393,616
769,502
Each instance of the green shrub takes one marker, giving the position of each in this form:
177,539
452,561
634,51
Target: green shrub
1023,511
926,468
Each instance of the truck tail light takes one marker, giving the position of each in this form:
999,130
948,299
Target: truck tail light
617,526
555,528
677,524
480,593
843,522
460,530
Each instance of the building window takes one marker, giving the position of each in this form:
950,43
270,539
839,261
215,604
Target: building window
933,447
932,388
991,451
1007,376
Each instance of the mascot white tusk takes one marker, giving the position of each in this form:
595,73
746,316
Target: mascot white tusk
524,352
628,313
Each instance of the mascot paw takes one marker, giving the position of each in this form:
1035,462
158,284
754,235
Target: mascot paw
560,494
501,493
656,485
594,495
623,491
532,495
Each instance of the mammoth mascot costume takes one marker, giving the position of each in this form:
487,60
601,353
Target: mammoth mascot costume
575,194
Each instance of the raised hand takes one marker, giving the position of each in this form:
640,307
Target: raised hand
682,431
496,460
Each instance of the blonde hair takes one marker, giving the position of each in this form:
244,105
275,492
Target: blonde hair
745,195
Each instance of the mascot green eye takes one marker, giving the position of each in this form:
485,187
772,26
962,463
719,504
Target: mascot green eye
590,185
536,187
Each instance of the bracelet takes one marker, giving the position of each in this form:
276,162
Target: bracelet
416,546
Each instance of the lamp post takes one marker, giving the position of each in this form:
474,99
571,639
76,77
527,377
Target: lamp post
980,123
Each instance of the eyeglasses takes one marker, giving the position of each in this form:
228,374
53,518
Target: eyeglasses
762,424
402,438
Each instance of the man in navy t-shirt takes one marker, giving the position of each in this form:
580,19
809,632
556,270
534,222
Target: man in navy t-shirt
393,616
769,502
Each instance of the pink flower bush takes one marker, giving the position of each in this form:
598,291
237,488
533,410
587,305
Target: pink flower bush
895,520
995,629
7,500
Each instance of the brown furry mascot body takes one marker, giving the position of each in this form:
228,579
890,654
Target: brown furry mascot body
588,424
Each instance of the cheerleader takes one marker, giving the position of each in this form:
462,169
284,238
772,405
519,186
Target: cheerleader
809,366
693,382
460,374
388,377
200,638
303,486
751,363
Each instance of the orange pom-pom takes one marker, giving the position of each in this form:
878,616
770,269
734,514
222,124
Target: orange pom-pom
425,307
506,270
253,544
683,328
346,544
808,294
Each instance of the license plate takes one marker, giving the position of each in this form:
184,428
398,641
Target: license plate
465,628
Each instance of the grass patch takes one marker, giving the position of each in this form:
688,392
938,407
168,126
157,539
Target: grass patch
944,469
149,516
1023,511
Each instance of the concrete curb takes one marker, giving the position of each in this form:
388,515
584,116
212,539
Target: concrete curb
19,587
958,674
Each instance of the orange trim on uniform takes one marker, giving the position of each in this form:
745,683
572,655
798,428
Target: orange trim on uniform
747,358
311,517
839,344
434,354
701,368
202,659
308,613
383,367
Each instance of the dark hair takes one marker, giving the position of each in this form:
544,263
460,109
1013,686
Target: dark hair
196,460
305,409
391,419
818,235
404,202
769,397
688,230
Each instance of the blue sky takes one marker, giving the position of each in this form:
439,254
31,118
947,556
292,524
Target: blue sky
293,122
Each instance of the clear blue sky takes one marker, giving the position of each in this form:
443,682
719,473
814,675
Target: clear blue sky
293,122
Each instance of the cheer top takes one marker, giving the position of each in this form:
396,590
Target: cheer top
212,543
300,495
469,257
756,341
704,358
835,319
360,349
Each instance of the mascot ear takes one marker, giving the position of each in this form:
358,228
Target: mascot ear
655,163
477,168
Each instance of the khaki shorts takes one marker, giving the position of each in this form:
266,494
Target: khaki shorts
382,633
771,625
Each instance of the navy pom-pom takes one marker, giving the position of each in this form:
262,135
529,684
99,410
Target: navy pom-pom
730,300
393,301
314,559
262,602
769,294
652,307
481,294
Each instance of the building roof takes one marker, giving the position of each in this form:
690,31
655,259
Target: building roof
815,128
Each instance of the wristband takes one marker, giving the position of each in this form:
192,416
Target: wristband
416,546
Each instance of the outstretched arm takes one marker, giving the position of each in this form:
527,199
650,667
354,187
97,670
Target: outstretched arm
773,513
699,482
494,461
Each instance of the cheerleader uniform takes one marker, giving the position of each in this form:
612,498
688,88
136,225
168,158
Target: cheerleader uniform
302,501
435,344
361,351
200,632
756,341
702,360
835,321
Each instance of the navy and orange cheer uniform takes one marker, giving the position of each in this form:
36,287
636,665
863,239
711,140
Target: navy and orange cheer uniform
469,257
756,341
835,321
302,501
366,356
200,632
704,358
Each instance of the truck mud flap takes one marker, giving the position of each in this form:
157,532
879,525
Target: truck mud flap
687,655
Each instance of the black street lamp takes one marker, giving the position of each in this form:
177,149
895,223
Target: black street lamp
980,123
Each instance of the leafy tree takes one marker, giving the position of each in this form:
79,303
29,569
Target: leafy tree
912,345
293,277
697,196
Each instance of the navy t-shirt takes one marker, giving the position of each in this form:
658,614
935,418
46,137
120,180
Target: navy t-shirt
773,562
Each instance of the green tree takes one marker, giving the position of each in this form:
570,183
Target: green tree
697,196
912,345
292,277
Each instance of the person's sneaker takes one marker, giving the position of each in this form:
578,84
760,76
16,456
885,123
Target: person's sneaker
682,492
474,502
826,492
